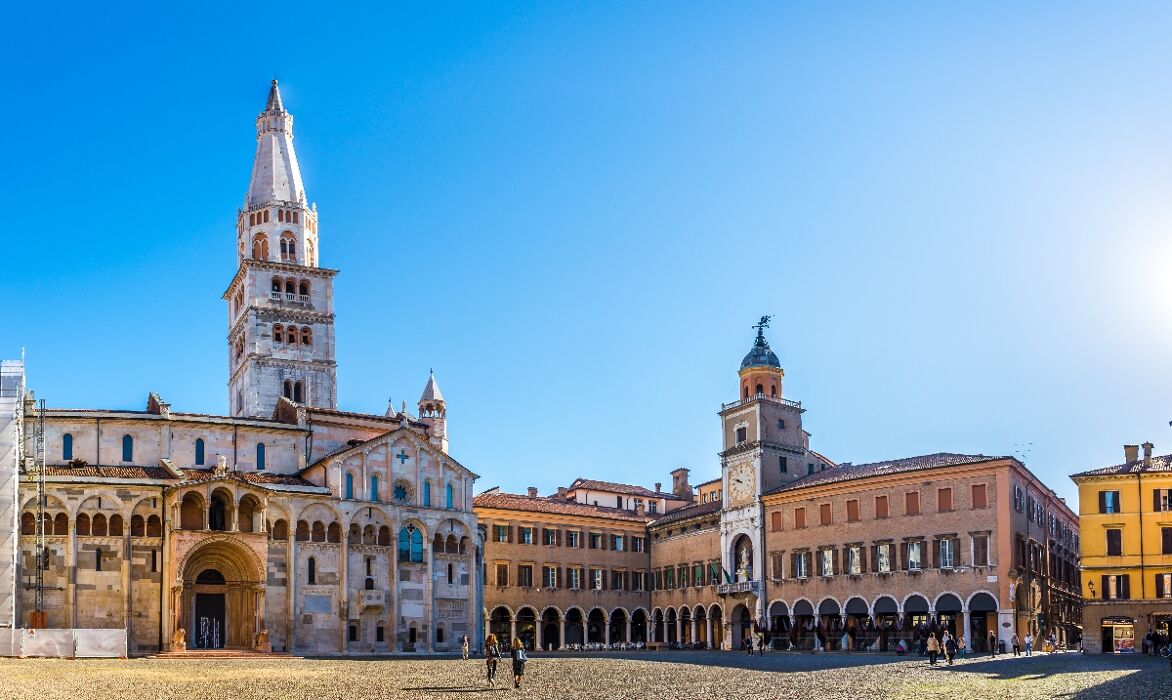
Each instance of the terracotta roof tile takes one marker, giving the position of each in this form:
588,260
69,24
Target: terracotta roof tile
848,472
257,478
694,510
1162,463
629,489
98,472
553,505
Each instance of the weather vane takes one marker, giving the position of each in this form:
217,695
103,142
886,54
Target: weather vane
763,323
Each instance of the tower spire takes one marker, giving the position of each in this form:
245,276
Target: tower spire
276,176
274,104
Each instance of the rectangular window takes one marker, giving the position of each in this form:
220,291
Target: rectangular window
915,555
881,510
775,520
1166,539
1162,500
697,575
799,517
619,501
500,533
525,576
980,496
1114,542
638,504
809,468
575,578
549,576
775,565
1018,499
824,514
502,574
947,554
574,539
883,558
669,578
713,574
801,565
595,540
617,581
682,575
912,503
781,426
638,544
616,543
944,500
1108,501
154,561
550,537
980,550
854,560
652,507
782,464
852,510
597,577
1116,587
639,580
826,562
1164,585
526,535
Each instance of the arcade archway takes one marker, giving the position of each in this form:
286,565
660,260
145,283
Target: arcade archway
221,602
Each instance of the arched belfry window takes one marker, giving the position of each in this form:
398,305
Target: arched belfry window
288,389
127,448
260,247
760,390
67,446
199,456
298,391
260,456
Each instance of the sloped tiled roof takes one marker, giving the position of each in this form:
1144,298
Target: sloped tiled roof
693,510
256,478
93,471
553,505
848,472
629,489
1162,463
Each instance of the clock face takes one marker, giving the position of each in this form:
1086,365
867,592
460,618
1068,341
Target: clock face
740,482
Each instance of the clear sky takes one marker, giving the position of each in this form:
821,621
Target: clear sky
574,212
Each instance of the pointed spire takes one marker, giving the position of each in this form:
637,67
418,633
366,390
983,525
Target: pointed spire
431,392
274,104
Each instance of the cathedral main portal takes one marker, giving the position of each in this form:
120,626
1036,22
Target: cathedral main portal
221,600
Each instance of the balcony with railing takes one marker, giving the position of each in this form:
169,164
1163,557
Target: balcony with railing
738,588
289,298
761,397
370,599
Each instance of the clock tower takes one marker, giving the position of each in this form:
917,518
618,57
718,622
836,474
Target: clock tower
764,447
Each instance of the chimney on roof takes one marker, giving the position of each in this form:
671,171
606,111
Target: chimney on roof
532,492
1130,453
679,484
1148,454
658,486
563,492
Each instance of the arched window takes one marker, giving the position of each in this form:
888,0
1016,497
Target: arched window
449,497
427,494
115,525
288,391
154,526
28,523
349,486
374,488
288,247
61,524
280,215
199,451
306,335
137,526
289,287
260,456
292,250
303,288
278,333
127,448
311,576
67,446
451,574
83,525
291,335
439,634
298,391
99,526
760,390
410,545
260,247
266,215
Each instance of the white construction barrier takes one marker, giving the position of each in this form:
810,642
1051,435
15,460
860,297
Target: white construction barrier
63,643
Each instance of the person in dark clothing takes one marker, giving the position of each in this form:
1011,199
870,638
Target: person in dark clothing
519,659
492,655
993,643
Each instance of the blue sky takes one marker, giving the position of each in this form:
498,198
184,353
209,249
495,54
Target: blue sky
574,212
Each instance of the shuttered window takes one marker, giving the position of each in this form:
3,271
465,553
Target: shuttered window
824,514
980,496
775,520
799,517
1114,542
912,503
881,510
944,500
1166,539
852,510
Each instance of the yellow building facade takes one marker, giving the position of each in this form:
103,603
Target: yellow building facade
1125,515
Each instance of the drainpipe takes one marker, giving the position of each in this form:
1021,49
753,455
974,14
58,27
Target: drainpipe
1140,495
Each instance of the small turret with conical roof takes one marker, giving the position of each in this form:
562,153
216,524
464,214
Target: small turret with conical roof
434,412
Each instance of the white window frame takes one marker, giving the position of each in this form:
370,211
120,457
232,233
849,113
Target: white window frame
854,558
948,554
915,563
826,562
883,558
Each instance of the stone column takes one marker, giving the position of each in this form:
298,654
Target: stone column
693,631
817,642
429,595
539,635
708,631
290,585
71,576
343,592
629,639
562,631
606,629
125,574
512,627
964,626
679,629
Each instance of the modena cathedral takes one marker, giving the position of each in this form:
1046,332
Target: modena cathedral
292,526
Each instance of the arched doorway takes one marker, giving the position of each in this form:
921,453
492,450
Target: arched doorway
596,626
982,619
779,625
527,627
916,620
551,637
575,628
639,627
618,625
658,627
686,626
670,623
829,624
717,616
500,623
887,622
948,613
221,602
859,629
742,626
701,620
802,633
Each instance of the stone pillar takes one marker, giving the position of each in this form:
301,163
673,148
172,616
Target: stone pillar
562,630
539,635
125,573
629,639
290,586
817,642
693,631
429,594
512,628
71,576
679,629
708,631
343,592
964,627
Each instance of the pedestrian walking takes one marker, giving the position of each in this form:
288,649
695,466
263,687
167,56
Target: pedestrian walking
492,654
464,646
760,644
949,647
1016,642
519,659
962,646
993,643
1029,641
933,648
749,644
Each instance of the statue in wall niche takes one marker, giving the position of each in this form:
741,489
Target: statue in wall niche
178,640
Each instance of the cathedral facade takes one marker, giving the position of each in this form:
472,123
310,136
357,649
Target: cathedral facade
286,525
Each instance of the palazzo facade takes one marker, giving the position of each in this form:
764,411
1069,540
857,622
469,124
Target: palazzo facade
287,524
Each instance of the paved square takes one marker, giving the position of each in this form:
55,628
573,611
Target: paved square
643,675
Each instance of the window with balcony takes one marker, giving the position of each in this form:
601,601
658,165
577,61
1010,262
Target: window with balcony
914,555
947,553
883,558
854,560
826,562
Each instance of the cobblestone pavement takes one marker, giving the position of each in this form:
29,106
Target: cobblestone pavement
706,675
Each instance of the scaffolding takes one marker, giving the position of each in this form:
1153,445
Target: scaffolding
37,619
